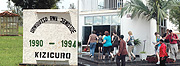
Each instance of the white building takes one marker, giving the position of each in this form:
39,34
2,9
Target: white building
102,15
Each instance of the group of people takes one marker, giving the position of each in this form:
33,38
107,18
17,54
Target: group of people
167,44
115,46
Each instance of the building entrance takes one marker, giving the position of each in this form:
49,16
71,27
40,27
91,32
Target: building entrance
87,30
100,29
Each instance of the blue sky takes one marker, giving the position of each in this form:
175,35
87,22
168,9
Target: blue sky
65,3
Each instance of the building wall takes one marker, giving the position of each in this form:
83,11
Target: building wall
81,23
88,5
172,26
141,29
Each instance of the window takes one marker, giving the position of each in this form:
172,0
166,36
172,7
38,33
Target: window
110,4
86,33
115,20
120,3
118,30
100,24
106,20
162,27
113,29
88,20
95,5
102,20
164,22
101,4
97,20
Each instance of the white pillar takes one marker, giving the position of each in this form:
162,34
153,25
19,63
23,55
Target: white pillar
153,29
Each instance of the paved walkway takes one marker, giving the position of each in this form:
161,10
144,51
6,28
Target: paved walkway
85,60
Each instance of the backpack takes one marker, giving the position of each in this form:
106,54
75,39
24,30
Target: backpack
131,40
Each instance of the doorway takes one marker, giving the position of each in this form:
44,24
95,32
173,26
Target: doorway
86,32
100,29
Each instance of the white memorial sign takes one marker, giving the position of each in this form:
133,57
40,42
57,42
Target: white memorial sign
50,37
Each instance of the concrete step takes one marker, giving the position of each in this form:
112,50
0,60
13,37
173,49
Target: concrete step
85,60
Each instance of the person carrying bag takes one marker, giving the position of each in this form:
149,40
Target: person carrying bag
115,43
130,43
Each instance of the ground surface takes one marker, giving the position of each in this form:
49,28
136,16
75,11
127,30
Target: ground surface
85,60
11,49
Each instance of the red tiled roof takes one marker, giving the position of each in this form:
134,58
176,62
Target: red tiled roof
7,14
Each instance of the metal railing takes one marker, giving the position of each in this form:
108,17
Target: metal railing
93,5
110,4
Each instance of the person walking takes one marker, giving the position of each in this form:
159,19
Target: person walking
107,45
115,43
130,43
92,40
162,53
100,42
122,52
157,45
173,38
167,41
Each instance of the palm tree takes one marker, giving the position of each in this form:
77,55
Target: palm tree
153,9
175,15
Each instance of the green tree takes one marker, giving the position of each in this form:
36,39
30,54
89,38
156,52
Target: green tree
16,10
153,9
175,15
36,4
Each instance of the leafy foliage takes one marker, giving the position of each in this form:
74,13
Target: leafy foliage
153,9
137,42
36,4
175,15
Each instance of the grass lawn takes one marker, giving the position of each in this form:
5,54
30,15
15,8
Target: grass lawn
11,49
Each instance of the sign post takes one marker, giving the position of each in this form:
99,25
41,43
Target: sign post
50,37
